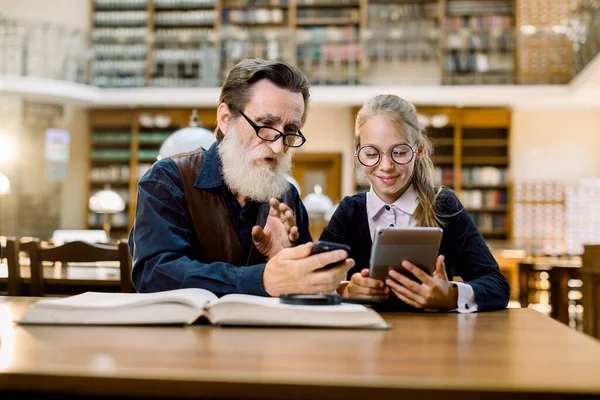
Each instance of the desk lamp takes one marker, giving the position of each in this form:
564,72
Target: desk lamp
106,202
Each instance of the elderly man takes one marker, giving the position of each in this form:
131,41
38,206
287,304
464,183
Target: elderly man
226,219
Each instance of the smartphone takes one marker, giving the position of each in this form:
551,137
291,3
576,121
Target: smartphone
322,246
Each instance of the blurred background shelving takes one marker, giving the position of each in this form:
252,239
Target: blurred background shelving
110,158
479,42
401,43
119,43
191,43
123,146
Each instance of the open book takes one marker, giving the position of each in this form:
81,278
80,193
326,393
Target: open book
187,306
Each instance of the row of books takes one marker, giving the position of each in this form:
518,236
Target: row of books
317,3
472,175
102,51
129,4
502,41
318,34
200,17
254,3
462,62
235,50
142,4
110,173
443,175
254,16
110,154
460,7
184,35
183,3
330,13
148,154
116,174
119,34
192,54
395,12
319,73
111,137
411,52
119,66
121,154
475,199
153,137
471,22
484,175
330,52
119,81
111,18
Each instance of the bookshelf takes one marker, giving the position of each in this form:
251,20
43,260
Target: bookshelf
479,42
109,163
191,43
328,47
256,29
184,46
401,43
123,146
471,148
119,43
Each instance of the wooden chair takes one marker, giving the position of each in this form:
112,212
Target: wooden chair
560,274
77,252
590,271
15,281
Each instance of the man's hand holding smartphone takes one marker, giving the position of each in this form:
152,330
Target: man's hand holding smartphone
307,269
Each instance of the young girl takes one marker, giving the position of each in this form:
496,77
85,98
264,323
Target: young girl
395,156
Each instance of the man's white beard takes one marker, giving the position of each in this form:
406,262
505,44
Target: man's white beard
255,182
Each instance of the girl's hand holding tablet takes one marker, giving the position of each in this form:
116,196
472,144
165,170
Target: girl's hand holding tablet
433,292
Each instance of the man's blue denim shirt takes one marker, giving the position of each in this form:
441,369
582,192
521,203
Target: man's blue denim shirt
163,233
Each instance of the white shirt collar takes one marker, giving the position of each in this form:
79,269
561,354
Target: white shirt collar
406,203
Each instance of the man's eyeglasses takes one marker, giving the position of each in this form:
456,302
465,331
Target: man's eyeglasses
269,134
369,156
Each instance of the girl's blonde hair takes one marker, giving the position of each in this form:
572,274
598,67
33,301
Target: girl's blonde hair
404,115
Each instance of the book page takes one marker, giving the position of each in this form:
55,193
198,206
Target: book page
241,309
193,297
274,302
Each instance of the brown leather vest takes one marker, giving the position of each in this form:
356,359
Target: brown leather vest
213,228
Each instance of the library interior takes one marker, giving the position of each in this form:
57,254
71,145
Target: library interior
93,93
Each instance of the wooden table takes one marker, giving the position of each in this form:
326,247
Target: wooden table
495,355
71,279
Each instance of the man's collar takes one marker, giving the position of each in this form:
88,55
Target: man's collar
407,202
210,175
